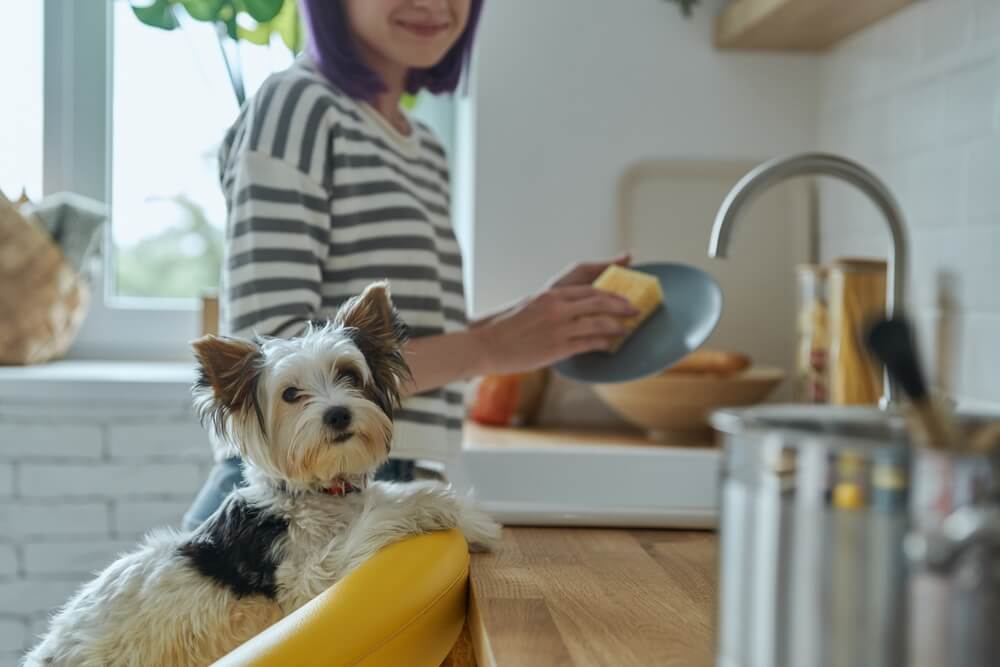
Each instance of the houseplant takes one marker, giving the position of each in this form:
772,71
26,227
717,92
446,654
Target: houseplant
254,21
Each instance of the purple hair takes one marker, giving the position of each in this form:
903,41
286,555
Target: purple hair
332,48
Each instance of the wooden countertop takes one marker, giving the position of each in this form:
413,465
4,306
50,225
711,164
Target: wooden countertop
573,596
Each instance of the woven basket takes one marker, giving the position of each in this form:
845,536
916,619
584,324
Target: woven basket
43,300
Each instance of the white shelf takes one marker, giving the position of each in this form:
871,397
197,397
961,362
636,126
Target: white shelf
98,381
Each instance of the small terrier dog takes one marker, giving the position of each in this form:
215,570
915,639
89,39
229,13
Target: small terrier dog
312,418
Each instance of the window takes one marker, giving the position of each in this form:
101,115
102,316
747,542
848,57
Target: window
21,109
148,146
171,105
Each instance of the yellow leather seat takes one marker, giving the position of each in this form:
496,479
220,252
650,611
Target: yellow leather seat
404,606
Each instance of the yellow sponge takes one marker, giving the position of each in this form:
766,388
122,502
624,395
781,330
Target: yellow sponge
642,290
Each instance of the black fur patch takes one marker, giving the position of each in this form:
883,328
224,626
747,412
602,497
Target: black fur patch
234,547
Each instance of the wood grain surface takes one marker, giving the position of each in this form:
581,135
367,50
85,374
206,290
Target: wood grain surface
562,596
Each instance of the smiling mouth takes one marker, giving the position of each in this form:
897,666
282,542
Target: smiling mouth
423,29
343,437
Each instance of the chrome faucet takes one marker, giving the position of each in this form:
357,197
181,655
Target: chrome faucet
774,171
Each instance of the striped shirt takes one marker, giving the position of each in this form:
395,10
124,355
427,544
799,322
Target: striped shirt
324,196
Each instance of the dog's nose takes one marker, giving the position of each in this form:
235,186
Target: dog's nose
338,418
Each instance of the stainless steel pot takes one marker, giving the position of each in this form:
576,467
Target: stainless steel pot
953,549
814,512
817,505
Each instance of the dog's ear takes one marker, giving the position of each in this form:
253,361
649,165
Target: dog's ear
380,334
373,313
229,370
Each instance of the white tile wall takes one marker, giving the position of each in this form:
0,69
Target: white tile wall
80,482
916,97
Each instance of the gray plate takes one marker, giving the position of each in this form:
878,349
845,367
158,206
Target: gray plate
692,304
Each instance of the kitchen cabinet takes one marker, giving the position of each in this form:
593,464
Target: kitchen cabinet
796,25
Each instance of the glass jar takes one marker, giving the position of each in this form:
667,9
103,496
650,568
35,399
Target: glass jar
812,356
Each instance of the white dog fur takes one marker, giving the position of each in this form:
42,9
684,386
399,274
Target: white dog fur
307,415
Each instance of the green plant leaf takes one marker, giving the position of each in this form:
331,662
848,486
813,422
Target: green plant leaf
288,24
203,10
260,35
262,11
232,29
408,101
159,14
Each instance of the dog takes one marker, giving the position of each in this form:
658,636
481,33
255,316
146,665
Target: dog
312,418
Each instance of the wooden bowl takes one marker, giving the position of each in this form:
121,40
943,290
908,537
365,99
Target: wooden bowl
674,407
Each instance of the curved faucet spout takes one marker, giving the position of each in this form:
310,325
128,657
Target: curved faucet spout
774,171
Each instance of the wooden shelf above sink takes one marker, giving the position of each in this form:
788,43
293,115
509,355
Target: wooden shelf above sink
796,25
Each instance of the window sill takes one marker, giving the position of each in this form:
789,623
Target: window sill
70,380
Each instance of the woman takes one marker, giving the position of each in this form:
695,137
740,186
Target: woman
330,185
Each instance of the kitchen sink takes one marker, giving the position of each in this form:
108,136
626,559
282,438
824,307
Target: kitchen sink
590,483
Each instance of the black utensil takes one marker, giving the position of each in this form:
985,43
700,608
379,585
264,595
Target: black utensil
892,343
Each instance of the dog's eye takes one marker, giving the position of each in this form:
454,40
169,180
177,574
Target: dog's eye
351,377
291,395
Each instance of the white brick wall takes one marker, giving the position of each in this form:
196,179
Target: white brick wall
21,519
6,479
31,596
108,479
75,558
916,97
12,636
8,561
168,441
80,482
46,441
133,518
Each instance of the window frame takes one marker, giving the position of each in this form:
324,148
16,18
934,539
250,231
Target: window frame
79,52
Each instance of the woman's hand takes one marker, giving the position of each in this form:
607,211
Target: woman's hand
569,317
562,321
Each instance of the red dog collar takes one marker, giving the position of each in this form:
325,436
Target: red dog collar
341,488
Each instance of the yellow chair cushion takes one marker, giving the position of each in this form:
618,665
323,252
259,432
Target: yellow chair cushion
404,606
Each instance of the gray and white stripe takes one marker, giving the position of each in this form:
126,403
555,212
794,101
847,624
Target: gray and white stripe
324,198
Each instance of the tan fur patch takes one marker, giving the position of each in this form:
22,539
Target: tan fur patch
372,312
231,367
247,618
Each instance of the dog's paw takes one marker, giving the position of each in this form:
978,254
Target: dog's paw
480,530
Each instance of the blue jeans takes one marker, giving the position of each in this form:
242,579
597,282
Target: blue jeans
227,475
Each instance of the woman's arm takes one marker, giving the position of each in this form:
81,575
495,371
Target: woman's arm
568,318
558,323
